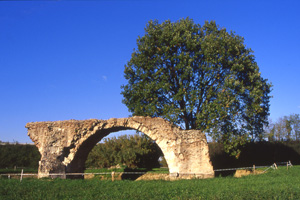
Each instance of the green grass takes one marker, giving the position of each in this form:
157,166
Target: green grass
276,184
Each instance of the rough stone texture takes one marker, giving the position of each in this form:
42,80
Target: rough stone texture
64,145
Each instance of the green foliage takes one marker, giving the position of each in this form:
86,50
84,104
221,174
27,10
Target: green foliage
276,184
129,150
199,78
19,155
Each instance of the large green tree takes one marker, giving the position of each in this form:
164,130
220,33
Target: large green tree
198,77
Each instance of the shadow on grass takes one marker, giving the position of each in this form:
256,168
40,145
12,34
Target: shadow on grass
133,174
258,154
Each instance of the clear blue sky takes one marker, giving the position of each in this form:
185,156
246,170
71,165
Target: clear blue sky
63,60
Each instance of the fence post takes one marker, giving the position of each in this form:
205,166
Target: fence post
254,169
21,176
112,176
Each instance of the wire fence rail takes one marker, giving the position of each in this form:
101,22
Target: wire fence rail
288,164
113,173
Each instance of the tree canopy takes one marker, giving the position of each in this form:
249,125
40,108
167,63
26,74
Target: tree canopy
198,77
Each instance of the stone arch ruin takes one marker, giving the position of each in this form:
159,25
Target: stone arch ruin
65,145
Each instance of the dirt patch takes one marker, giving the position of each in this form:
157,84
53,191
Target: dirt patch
246,172
153,176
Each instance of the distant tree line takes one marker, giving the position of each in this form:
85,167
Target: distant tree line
18,155
286,128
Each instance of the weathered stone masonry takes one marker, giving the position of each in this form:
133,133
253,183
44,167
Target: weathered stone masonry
65,145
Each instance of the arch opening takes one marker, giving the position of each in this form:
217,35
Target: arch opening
78,163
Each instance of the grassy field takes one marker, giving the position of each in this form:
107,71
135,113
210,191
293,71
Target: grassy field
276,184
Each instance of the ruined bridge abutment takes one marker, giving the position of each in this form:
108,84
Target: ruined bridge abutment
65,145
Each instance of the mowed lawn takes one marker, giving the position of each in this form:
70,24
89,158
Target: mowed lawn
276,184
